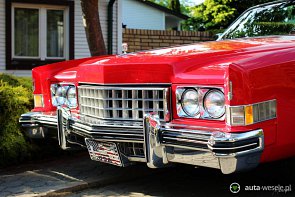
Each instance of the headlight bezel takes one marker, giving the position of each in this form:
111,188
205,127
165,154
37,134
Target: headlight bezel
65,87
202,91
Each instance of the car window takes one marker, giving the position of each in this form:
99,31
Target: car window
274,19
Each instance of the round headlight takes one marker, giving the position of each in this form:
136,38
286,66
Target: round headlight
71,97
190,102
60,95
214,103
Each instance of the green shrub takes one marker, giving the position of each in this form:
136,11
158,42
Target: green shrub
15,99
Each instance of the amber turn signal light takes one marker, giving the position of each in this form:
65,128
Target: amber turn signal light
249,115
38,100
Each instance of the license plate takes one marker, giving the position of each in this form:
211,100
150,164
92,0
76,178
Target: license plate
103,152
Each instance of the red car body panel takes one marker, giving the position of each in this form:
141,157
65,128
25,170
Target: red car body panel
260,69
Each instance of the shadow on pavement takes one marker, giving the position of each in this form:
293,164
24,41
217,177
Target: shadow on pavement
184,180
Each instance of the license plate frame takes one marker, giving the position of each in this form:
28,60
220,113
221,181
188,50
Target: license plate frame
106,152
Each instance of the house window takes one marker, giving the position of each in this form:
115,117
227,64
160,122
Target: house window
55,33
26,32
39,32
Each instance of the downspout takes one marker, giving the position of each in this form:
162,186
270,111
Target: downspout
110,26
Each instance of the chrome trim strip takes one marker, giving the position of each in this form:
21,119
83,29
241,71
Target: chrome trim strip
118,88
106,139
185,140
230,91
190,127
234,148
187,131
186,134
234,137
101,132
187,147
123,84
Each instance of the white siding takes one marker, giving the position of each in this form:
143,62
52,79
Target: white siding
119,27
20,73
136,15
2,35
81,45
115,27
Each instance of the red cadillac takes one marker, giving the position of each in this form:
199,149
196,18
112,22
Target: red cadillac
227,104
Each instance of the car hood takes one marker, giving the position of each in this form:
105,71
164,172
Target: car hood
202,63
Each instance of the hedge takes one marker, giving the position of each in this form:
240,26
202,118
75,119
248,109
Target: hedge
15,99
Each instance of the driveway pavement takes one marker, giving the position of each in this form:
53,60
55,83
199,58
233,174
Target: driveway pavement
78,176
270,180
61,176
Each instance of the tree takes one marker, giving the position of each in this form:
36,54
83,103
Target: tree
175,5
93,28
184,5
217,14
164,3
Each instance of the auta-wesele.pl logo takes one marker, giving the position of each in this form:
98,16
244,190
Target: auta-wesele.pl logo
235,188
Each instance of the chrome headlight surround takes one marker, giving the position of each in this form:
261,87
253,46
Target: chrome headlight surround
202,92
64,94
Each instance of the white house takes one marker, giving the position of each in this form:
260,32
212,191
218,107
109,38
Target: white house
38,32
142,14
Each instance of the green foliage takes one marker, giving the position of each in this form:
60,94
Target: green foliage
264,28
15,99
268,21
9,79
218,14
184,5
16,81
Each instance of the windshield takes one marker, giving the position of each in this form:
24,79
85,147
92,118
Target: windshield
274,19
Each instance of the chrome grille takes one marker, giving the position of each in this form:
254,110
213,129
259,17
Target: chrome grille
122,103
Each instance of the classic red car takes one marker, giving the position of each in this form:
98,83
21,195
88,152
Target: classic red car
226,104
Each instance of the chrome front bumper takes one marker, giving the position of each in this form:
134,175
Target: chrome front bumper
163,143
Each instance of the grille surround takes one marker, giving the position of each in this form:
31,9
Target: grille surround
123,103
